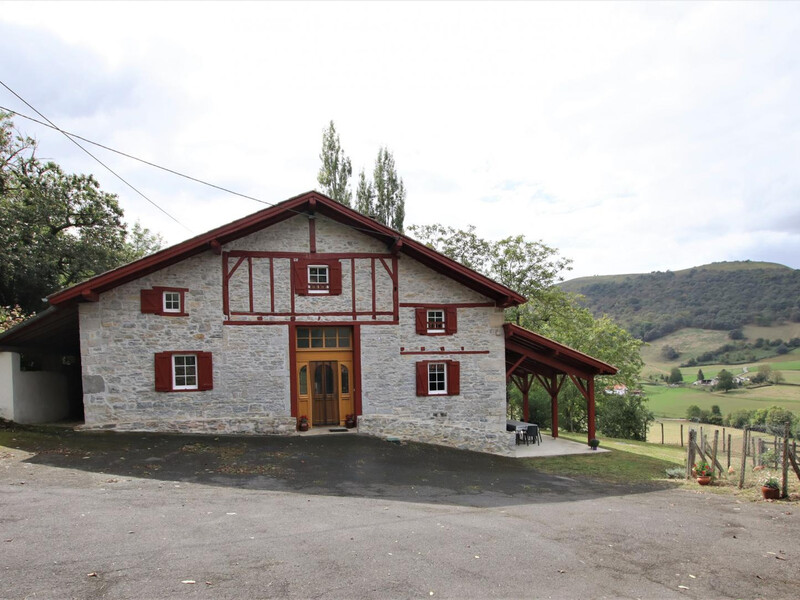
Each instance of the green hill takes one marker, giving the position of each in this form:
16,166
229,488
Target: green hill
720,296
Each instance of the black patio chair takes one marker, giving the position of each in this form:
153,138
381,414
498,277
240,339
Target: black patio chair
532,433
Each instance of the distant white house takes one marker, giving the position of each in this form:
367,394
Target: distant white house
619,389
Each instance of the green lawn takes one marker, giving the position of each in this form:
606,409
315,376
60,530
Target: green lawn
672,402
630,462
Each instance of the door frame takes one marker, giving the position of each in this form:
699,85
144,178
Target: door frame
355,377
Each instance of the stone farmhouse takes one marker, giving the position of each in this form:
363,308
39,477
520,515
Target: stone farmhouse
306,308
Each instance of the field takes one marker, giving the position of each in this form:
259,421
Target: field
672,402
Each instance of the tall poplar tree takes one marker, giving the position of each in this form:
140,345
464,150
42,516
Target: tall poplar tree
365,195
334,174
390,193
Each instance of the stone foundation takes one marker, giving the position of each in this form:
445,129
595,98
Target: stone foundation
438,431
263,426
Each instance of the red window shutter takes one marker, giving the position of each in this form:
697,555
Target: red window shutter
151,301
205,371
300,273
163,371
335,275
451,320
422,379
421,318
453,378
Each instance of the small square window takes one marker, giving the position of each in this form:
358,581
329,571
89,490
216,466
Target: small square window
435,321
437,378
318,279
172,302
184,372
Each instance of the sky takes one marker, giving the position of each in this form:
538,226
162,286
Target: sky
632,137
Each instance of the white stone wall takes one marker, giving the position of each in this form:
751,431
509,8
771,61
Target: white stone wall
31,396
251,362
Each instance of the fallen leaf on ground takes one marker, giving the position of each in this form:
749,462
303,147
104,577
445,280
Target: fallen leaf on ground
188,581
780,557
92,574
682,587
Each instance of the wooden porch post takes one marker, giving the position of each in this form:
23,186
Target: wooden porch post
590,407
554,410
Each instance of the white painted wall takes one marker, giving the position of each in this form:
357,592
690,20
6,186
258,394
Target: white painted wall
31,396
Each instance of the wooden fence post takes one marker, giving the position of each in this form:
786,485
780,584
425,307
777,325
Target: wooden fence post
702,440
753,449
744,458
714,454
759,446
681,435
729,451
690,453
785,482
723,439
662,433
775,451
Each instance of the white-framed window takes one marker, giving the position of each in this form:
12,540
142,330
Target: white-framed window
435,321
437,378
171,302
318,279
184,372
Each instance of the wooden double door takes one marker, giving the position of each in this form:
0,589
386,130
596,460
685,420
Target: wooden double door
324,392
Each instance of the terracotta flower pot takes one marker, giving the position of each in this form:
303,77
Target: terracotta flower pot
303,426
704,479
770,493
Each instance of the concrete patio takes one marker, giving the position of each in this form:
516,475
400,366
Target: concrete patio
552,447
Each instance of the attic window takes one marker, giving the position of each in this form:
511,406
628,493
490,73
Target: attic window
318,279
164,301
436,320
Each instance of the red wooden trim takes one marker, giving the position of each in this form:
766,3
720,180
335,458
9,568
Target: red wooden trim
545,360
421,376
357,408
292,284
416,352
90,295
250,280
308,255
510,371
215,246
353,285
205,371
363,313
312,234
312,323
452,304
226,309
293,392
374,291
271,285
236,266
395,289
163,371
388,270
590,425
275,214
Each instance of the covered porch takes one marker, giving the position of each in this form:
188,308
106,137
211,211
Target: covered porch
532,357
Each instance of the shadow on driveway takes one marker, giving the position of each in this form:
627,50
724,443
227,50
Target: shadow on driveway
332,465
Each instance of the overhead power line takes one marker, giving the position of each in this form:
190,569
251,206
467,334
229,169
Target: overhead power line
109,169
70,135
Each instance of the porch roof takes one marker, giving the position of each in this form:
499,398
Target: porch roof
530,353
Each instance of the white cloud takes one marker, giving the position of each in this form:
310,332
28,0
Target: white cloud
633,137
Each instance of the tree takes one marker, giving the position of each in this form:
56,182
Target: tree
624,417
11,316
334,174
675,375
390,193
56,228
700,376
365,196
693,412
669,353
725,381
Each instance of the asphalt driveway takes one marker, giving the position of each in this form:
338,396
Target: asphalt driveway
157,516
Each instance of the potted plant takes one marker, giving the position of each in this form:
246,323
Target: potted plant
703,472
771,489
350,421
594,443
302,423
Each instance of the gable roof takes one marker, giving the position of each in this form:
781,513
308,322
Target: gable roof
307,203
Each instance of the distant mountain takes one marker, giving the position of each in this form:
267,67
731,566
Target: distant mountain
725,296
